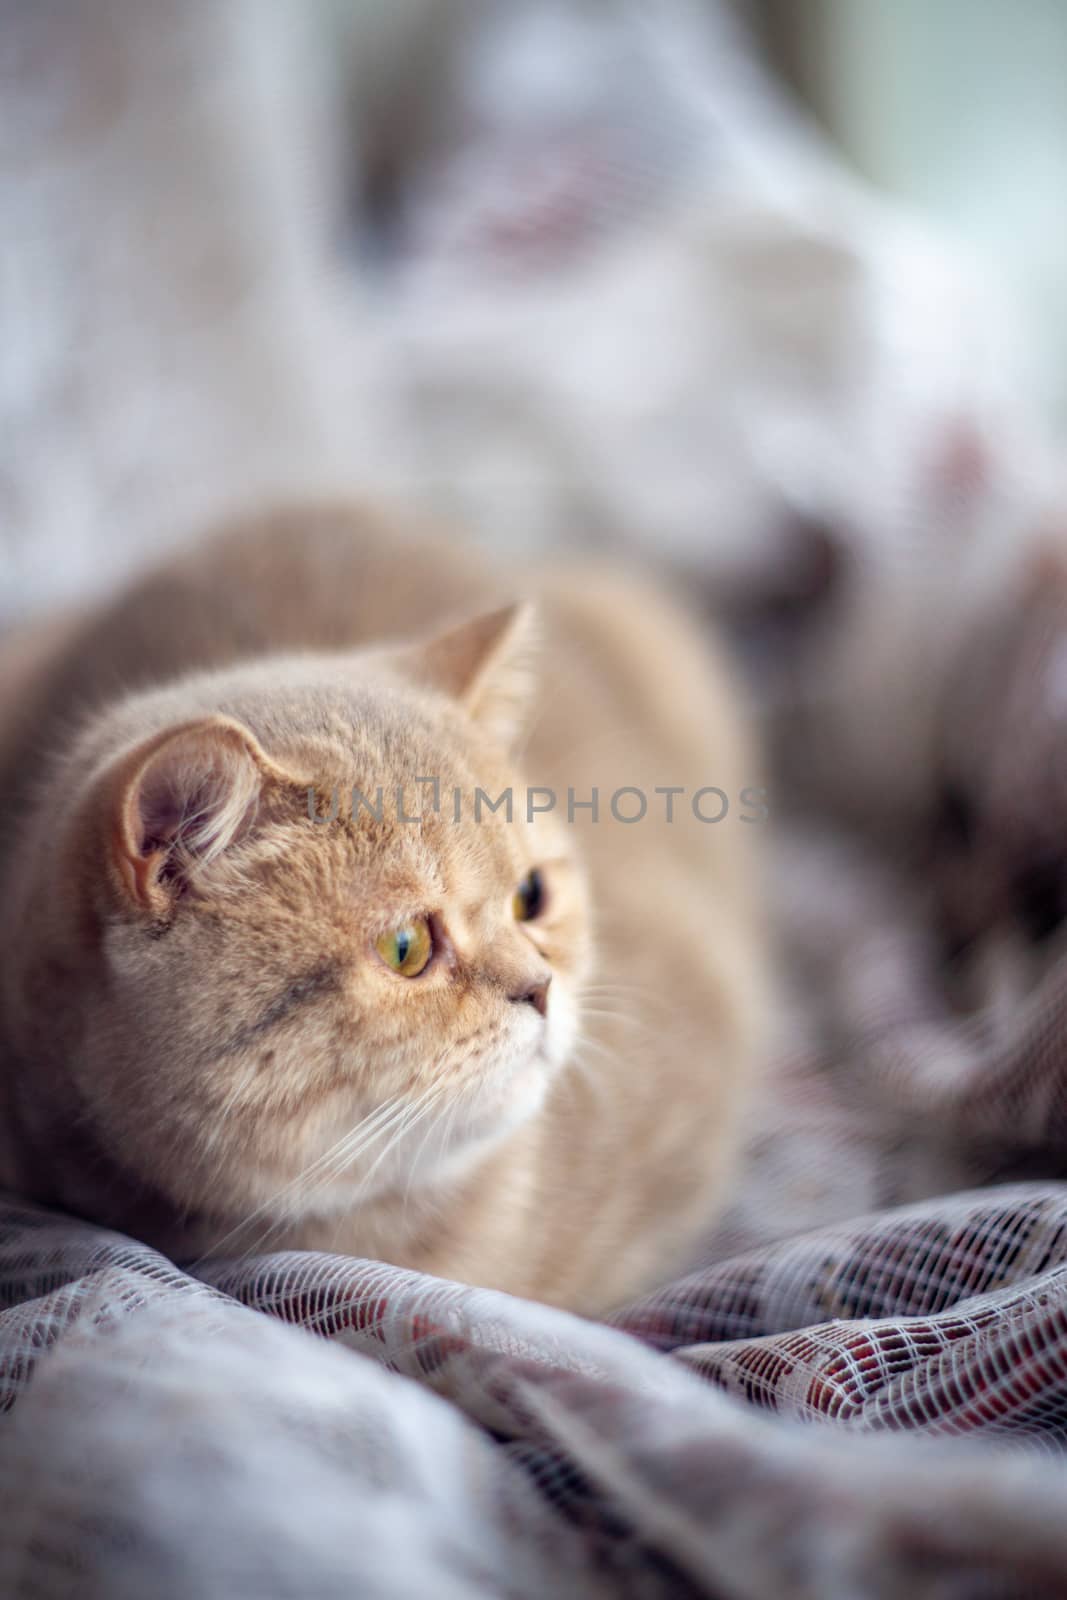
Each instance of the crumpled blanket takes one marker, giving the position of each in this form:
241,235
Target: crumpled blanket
311,1425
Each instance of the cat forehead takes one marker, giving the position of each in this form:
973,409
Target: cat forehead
460,841
365,735
368,850
406,781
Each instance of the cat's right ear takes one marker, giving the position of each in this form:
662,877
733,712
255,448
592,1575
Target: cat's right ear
178,802
488,665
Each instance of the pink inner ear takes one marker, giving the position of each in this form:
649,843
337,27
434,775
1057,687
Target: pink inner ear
163,813
195,797
192,818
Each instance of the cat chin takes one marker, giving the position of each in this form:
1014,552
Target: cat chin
485,1111
518,1098
481,1116
497,1108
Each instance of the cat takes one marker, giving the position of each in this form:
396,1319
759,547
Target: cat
247,1004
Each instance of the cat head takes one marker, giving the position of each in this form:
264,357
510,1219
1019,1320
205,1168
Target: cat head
260,982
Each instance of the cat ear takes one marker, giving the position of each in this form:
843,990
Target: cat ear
179,801
486,664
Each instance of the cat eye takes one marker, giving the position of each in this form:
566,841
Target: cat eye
407,949
528,901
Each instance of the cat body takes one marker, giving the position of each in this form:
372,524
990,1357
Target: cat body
220,877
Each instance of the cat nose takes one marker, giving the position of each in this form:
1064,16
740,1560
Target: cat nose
533,994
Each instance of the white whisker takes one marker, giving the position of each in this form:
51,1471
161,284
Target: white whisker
369,1127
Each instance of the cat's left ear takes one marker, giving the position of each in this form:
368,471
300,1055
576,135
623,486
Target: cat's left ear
488,665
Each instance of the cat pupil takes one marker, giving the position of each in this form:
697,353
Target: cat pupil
403,945
531,894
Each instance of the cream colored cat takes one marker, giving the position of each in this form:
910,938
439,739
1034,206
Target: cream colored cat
506,1051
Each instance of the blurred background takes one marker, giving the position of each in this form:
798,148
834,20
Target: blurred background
957,109
768,296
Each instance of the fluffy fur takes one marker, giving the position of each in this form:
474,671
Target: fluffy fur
200,1041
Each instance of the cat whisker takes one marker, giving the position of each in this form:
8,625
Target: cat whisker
414,1113
370,1127
324,1171
618,991
396,1128
588,1041
433,1128
600,987
392,1128
419,1109
585,1073
598,1013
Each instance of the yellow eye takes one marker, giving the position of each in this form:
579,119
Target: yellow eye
528,901
408,949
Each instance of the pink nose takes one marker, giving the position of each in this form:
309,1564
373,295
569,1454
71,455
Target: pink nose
535,994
